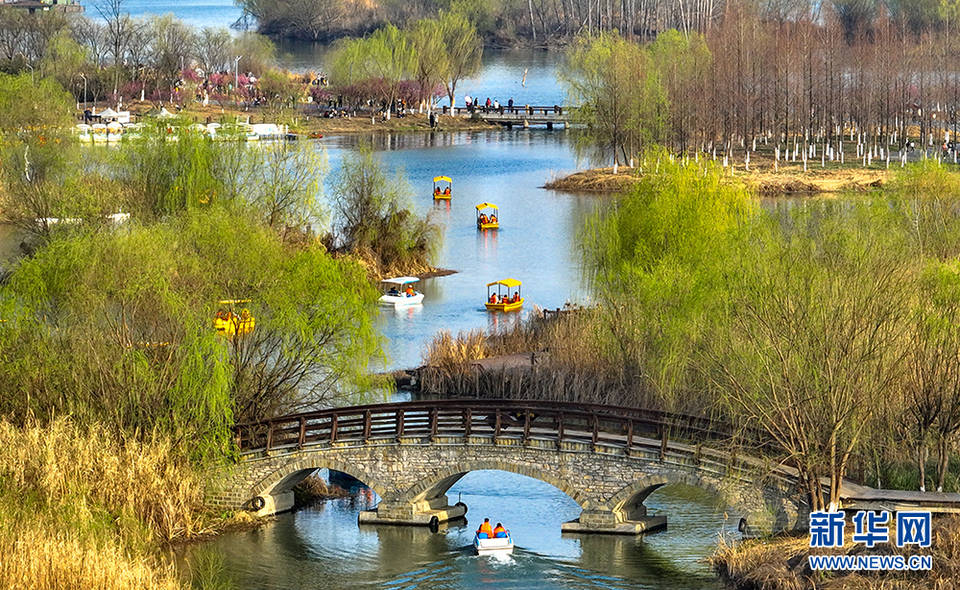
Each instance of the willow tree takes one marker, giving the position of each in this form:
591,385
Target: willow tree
817,308
654,263
620,100
39,177
386,56
462,49
425,35
117,327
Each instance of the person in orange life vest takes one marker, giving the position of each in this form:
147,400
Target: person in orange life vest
493,298
499,532
436,191
446,191
516,297
485,528
409,291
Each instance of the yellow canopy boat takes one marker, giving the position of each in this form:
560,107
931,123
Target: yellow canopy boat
485,221
441,192
500,299
229,322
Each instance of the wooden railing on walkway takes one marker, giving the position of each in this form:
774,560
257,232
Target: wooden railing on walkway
559,422
558,111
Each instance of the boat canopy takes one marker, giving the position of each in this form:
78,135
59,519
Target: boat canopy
439,178
506,283
486,205
400,280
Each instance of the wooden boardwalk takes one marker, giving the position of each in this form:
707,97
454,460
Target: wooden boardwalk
857,497
523,116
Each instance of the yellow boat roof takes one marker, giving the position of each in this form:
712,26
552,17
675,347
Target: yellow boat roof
485,205
506,283
439,178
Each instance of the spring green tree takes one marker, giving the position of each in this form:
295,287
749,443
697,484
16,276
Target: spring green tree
621,102
117,327
462,50
654,261
817,311
386,56
373,218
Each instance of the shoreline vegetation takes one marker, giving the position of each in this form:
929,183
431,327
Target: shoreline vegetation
790,180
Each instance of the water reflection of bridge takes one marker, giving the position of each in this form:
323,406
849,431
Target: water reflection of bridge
608,459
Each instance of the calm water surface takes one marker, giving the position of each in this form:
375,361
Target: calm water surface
323,547
535,242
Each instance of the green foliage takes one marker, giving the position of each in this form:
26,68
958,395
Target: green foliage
656,260
117,327
32,105
173,169
924,195
386,55
375,221
620,96
462,50
258,52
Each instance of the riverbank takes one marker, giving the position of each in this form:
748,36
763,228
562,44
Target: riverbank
308,120
781,563
787,179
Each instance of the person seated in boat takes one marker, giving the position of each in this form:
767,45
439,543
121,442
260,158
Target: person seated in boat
516,297
483,218
436,192
493,299
409,291
446,191
485,531
393,291
493,219
499,532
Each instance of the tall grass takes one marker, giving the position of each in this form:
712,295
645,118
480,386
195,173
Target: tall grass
567,363
86,507
781,564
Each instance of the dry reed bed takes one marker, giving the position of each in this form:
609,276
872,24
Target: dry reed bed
569,366
90,508
781,564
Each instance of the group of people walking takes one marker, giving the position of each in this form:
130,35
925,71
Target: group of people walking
474,105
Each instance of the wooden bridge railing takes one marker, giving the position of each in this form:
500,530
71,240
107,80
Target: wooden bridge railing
558,111
559,422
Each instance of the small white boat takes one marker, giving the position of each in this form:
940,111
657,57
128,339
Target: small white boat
488,546
401,292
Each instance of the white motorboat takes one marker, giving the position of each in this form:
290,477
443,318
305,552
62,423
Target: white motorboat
401,292
493,546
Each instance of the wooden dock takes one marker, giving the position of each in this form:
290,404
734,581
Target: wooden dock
522,116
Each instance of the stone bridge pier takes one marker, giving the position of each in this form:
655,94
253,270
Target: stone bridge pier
413,475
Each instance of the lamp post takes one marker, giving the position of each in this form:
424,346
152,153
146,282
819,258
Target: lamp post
84,91
236,74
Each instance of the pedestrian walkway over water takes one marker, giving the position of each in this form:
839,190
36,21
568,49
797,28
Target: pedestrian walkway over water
521,115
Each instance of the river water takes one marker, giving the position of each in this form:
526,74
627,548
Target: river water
323,546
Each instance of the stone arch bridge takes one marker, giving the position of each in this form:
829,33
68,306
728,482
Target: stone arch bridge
608,459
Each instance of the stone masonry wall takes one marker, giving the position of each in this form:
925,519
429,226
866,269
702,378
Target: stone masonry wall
599,480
